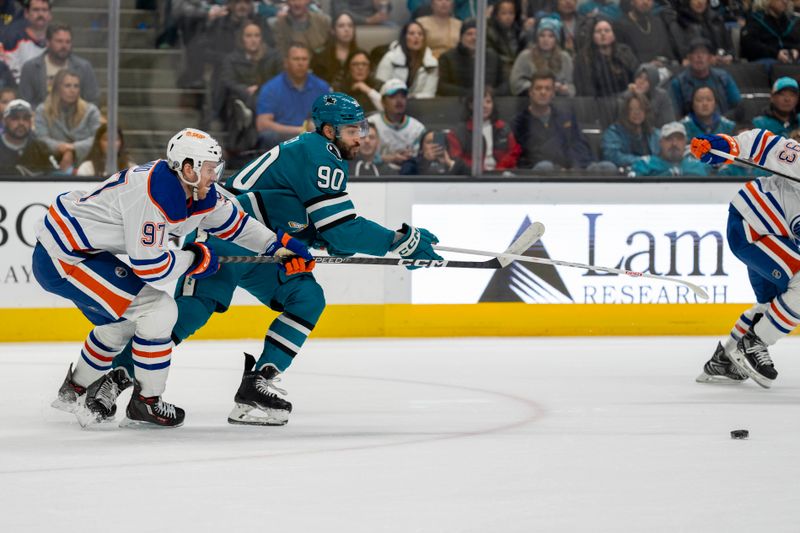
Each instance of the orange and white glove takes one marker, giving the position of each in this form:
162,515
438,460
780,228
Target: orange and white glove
703,144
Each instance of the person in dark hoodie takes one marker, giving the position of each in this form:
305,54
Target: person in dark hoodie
781,116
457,66
695,19
645,82
772,33
604,67
503,35
645,32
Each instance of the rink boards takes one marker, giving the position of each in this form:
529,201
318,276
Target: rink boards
666,228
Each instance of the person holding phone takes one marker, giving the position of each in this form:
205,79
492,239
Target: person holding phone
434,158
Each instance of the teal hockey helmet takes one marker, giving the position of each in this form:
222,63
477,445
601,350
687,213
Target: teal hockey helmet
338,109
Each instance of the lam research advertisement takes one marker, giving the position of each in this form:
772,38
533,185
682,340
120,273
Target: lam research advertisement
686,241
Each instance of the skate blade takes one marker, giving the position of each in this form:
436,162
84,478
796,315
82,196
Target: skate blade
718,380
741,363
61,405
244,415
139,424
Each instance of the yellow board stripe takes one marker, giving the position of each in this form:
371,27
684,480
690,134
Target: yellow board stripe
406,320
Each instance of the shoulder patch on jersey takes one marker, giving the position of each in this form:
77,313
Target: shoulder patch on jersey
335,151
165,191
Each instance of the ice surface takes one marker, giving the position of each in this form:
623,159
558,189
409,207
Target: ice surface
455,435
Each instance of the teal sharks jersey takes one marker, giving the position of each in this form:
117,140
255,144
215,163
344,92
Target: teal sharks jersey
300,187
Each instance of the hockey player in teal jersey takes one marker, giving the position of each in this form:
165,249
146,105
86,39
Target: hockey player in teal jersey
298,187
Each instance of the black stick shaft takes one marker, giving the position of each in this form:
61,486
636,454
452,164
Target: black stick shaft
379,261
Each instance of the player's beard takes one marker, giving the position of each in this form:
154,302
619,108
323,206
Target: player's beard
348,154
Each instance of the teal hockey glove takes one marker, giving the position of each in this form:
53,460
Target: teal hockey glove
415,243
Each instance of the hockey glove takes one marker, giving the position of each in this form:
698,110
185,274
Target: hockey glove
702,145
415,243
206,262
298,258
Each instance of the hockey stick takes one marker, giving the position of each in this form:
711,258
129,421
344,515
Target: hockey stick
697,290
747,163
528,237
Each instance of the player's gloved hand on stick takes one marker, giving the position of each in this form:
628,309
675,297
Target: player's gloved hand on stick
702,145
298,258
206,262
415,243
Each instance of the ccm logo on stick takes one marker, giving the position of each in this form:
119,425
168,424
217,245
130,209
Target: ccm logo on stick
423,262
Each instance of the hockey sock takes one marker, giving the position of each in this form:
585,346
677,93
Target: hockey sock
151,360
742,325
780,318
285,337
95,360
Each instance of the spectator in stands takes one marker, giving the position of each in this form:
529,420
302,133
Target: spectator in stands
645,83
25,41
6,95
550,138
410,60
645,32
571,24
699,72
772,33
399,132
543,54
37,75
368,163
670,160
503,35
604,67
631,136
284,102
696,20
243,72
360,83
10,13
457,66
705,118
192,18
364,12
434,158
442,30
781,116
95,162
6,77
329,63
463,9
500,148
65,121
608,9
298,24
20,151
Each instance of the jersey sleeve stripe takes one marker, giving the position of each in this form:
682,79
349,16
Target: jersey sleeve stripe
769,148
63,227
158,273
225,224
72,220
327,203
335,220
776,219
322,198
756,143
57,238
775,204
143,262
232,232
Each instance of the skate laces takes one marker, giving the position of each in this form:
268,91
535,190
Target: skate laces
165,409
759,350
263,385
107,394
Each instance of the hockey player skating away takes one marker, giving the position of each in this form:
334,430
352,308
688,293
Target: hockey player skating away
298,187
763,228
134,212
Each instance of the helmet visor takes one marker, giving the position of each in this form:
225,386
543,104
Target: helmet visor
213,168
359,129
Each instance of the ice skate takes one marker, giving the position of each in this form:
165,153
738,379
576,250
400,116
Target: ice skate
720,369
151,411
255,404
752,357
68,394
99,402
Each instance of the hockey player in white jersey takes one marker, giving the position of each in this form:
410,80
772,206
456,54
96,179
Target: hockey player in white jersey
133,213
763,232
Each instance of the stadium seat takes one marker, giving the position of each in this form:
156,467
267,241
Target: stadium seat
749,77
440,113
748,109
780,70
508,106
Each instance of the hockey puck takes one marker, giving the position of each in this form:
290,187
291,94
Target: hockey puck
740,434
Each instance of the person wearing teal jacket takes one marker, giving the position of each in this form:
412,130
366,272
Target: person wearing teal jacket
632,136
704,118
780,117
670,161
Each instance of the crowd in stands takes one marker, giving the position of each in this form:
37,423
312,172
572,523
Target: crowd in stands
573,87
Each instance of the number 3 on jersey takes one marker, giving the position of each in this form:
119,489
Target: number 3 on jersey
330,179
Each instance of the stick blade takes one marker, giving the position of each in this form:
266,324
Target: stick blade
528,238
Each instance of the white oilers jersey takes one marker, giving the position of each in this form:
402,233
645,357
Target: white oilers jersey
771,205
134,212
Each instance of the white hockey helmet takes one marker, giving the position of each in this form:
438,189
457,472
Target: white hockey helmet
199,147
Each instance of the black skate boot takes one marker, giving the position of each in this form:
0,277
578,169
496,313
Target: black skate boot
151,411
752,357
99,403
68,394
720,369
255,404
